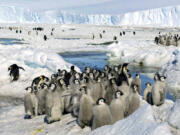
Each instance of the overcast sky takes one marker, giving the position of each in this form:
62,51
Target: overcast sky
91,6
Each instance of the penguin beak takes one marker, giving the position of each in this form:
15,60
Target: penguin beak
9,68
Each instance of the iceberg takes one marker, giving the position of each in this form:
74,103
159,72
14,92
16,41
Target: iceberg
165,16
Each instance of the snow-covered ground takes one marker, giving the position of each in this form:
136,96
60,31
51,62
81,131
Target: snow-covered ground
40,57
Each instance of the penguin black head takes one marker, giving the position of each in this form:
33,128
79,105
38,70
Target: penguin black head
116,68
102,74
134,87
129,75
85,80
148,84
98,79
54,76
29,89
83,90
87,70
162,78
83,75
44,86
124,67
76,81
72,68
91,75
63,72
137,76
52,87
94,71
112,81
77,76
157,77
118,93
101,101
61,82
106,67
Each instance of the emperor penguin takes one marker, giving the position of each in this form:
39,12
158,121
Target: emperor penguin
137,81
148,93
111,89
53,105
101,114
41,96
159,90
86,108
134,100
30,103
14,72
97,90
117,107
123,76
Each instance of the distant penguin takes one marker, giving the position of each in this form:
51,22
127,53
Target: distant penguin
101,114
14,72
117,107
148,94
45,37
86,108
137,81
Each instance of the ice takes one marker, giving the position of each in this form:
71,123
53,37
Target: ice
166,16
40,57
140,122
148,54
174,117
35,62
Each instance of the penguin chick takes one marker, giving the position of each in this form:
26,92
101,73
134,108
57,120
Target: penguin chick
86,108
117,108
101,114
137,82
148,94
30,103
53,105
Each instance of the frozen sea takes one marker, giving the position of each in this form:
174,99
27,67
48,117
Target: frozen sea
73,44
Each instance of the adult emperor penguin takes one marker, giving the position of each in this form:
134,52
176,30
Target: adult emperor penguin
86,108
148,94
117,107
30,103
101,114
14,72
137,81
123,76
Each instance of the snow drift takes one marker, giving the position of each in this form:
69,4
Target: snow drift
167,16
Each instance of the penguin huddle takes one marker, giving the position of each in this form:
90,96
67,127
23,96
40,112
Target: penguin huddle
95,97
168,39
